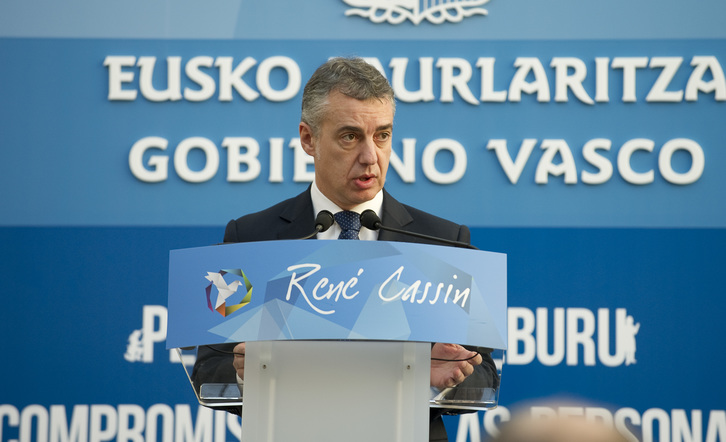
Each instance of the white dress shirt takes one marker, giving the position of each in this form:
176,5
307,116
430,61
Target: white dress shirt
321,202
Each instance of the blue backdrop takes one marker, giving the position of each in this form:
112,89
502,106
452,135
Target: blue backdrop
587,146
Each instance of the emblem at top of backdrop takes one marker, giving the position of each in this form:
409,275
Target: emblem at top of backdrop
398,11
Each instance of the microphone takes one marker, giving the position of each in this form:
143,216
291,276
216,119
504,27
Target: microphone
322,223
370,220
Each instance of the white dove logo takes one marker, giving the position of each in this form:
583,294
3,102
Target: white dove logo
224,291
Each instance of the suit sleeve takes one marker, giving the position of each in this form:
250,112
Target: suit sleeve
214,363
464,235
230,232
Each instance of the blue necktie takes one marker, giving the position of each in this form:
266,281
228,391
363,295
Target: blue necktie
349,222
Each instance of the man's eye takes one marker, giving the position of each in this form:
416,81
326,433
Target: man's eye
348,137
383,136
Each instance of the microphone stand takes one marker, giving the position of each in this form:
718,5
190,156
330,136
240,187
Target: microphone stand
370,220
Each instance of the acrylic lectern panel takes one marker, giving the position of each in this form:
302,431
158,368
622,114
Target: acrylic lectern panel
305,304
353,290
226,392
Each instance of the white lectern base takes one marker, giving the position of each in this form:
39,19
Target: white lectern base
353,391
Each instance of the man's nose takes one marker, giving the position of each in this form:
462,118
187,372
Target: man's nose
368,152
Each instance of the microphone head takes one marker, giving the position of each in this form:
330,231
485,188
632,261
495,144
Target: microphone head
370,220
324,220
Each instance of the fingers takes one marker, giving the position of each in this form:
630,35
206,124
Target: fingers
239,349
239,359
459,375
466,370
476,359
451,364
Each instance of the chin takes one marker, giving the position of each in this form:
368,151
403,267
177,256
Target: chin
368,195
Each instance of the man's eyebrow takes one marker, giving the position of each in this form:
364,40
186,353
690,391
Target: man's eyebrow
349,129
358,129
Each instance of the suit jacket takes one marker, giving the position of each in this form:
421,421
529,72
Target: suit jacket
295,218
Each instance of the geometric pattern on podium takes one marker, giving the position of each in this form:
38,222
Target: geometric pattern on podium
365,290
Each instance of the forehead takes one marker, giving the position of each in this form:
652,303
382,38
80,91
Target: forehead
346,111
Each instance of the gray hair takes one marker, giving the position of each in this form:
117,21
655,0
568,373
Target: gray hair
353,77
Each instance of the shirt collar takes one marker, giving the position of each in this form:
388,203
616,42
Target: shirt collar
321,202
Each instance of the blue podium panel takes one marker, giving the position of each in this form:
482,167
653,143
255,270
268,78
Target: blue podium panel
361,290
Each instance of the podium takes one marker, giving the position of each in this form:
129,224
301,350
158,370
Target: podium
338,333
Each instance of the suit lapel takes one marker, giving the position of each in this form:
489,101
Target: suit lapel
395,215
299,216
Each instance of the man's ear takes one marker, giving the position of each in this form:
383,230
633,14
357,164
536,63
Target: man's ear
307,140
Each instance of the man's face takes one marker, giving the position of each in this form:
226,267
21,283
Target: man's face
351,149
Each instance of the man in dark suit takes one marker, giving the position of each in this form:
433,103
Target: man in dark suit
346,126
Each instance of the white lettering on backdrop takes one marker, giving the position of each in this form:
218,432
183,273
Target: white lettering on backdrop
562,79
99,422
130,76
149,160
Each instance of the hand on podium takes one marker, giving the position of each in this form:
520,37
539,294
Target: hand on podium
239,361
451,364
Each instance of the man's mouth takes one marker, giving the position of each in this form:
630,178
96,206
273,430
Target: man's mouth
365,182
365,178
